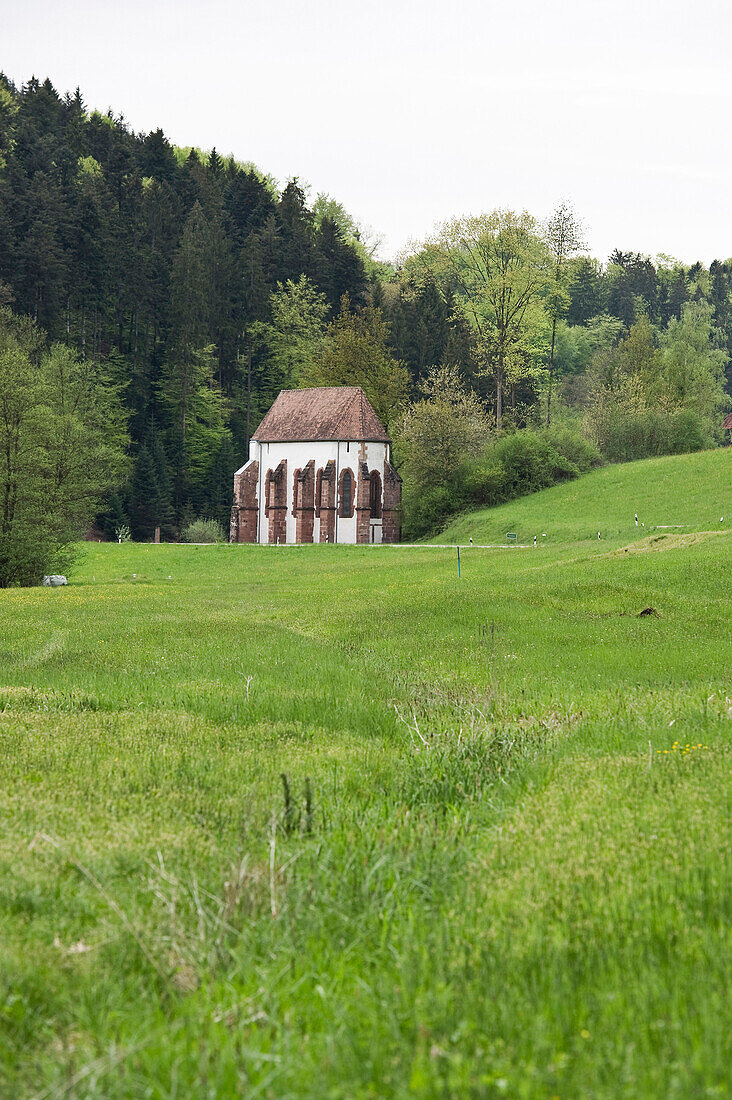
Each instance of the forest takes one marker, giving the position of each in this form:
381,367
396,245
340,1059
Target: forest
155,299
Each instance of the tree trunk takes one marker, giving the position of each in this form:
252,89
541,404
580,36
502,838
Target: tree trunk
551,371
249,390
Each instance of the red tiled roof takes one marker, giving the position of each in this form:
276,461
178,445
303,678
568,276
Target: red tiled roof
728,421
327,412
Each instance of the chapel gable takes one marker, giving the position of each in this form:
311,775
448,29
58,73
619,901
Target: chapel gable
341,486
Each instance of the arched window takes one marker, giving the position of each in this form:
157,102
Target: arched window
346,494
375,495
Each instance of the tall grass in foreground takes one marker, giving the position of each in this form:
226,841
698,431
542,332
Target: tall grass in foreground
497,866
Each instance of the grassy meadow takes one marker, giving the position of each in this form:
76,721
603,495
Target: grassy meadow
498,864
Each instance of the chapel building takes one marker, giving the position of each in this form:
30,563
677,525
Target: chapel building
319,470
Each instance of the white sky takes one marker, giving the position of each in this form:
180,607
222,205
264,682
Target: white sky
410,113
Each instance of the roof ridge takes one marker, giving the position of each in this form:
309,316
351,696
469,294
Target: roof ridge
304,389
321,412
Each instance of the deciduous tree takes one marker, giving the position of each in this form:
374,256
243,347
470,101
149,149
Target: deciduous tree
355,352
563,236
62,434
694,363
440,430
293,338
499,270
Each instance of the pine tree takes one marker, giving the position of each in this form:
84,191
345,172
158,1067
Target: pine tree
215,164
164,502
585,291
296,237
42,260
142,506
220,485
113,516
157,158
248,204
339,269
89,255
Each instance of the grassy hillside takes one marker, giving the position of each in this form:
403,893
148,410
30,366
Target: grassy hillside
693,491
502,868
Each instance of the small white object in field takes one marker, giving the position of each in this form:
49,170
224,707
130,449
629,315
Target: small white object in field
721,519
170,576
55,580
134,575
544,535
636,519
598,534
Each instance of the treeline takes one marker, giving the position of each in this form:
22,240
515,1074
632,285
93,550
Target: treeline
630,359
198,289
158,262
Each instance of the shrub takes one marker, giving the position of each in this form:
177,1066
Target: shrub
625,436
575,447
529,462
428,509
482,482
203,530
509,466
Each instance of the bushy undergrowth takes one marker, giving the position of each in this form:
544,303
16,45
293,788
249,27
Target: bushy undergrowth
203,530
624,436
508,466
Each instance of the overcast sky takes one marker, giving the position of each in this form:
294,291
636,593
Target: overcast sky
410,113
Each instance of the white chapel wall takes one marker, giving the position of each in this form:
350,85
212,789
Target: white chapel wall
342,454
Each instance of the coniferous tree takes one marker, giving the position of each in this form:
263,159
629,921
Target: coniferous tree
339,269
632,287
296,236
219,488
42,261
678,292
426,329
248,204
90,252
157,158
113,515
143,504
164,502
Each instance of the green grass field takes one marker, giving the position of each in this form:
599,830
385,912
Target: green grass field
502,865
